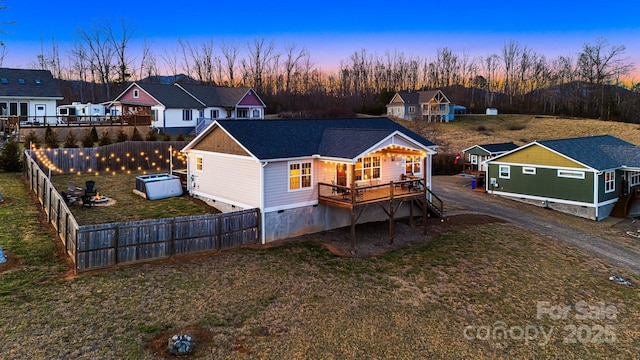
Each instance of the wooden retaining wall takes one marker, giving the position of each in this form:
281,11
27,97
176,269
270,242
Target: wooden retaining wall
93,247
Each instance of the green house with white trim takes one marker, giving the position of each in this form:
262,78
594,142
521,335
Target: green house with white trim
592,177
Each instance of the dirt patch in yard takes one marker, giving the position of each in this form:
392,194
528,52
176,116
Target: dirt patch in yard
373,239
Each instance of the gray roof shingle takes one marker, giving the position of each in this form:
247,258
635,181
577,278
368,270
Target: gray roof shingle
28,83
602,152
171,96
290,138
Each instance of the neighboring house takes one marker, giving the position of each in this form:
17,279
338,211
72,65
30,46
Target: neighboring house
27,96
475,156
591,177
225,103
420,105
176,108
307,175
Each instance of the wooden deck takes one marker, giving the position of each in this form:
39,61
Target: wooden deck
408,190
388,196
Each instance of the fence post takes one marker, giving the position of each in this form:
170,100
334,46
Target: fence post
219,235
116,240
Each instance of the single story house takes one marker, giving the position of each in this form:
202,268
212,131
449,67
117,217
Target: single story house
28,97
476,155
585,176
178,108
311,175
430,105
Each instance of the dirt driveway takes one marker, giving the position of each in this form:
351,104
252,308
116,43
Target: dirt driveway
606,239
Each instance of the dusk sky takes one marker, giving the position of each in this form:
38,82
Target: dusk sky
331,30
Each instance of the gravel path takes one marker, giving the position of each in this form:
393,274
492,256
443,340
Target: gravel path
458,198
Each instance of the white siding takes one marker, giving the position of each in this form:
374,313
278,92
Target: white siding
173,118
276,186
229,178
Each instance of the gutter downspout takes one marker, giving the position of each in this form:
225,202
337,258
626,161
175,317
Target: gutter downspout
262,203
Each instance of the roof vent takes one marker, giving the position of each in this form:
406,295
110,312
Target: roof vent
21,81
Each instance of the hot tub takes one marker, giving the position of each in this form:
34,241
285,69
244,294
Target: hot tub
158,186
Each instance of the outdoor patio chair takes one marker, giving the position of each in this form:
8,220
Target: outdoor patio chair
68,198
90,188
72,190
87,200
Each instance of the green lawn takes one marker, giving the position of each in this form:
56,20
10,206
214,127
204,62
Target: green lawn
436,299
128,206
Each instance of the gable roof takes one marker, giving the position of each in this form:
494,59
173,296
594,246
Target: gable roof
170,96
418,97
295,138
494,148
601,152
217,96
36,84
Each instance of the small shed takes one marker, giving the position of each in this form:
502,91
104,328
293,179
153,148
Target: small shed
492,111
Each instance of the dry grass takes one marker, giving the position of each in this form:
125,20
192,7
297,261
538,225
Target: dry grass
463,132
299,301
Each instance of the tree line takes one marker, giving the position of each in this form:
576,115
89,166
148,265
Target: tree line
593,83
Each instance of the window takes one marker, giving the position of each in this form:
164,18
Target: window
368,168
412,165
571,174
299,175
186,115
609,181
504,172
229,113
412,109
136,93
634,179
24,109
528,170
256,114
201,113
213,114
13,109
243,113
473,159
199,163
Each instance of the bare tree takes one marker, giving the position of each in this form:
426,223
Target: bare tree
120,43
292,57
260,54
230,55
148,64
171,61
80,65
599,64
101,53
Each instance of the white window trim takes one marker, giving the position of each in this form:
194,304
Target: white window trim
301,188
473,159
508,171
136,93
419,162
201,160
185,112
571,174
634,178
610,185
528,170
361,171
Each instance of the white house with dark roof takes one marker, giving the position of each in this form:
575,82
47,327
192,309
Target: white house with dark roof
307,175
430,105
178,108
28,96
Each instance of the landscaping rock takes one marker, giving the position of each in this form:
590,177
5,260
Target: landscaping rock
180,344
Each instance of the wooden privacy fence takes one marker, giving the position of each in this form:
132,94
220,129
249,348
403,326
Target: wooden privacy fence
123,156
101,246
